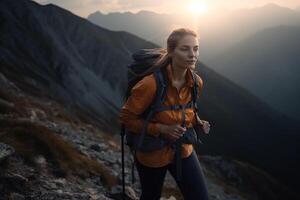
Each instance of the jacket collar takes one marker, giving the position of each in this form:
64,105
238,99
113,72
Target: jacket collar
189,77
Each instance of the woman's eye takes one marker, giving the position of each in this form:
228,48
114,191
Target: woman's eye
186,49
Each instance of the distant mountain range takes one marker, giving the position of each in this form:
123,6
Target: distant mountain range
267,64
148,25
218,31
47,50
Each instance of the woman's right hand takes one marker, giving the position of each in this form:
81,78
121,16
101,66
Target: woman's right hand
171,132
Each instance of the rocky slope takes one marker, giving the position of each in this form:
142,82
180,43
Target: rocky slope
90,163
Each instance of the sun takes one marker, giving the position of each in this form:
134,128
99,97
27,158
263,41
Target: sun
197,8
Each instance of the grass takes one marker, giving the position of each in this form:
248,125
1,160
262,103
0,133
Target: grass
31,140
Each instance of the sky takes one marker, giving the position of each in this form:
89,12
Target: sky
85,7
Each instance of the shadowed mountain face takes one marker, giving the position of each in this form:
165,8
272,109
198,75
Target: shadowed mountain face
243,125
47,50
267,64
65,54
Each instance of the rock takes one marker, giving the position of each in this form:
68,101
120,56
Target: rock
100,197
130,192
103,146
214,196
52,186
14,182
6,84
97,180
60,182
116,193
170,198
59,194
83,129
37,114
16,196
112,143
116,167
5,151
6,103
40,160
95,147
91,190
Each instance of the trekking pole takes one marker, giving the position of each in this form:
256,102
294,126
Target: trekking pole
123,163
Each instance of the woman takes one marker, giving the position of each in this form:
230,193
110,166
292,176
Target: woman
179,61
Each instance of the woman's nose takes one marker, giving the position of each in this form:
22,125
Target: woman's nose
192,53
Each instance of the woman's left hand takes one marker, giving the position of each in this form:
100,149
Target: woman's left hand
205,126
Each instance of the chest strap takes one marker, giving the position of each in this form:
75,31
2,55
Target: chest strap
174,107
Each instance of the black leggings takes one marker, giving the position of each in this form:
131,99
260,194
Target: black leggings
192,184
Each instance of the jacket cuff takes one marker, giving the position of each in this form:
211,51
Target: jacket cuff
153,130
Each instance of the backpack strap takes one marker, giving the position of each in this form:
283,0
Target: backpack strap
161,91
195,93
174,107
178,145
156,106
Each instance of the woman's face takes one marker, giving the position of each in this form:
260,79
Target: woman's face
186,52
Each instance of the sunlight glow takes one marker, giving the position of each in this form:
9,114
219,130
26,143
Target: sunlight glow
197,7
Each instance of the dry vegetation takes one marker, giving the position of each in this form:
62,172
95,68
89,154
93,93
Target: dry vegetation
31,139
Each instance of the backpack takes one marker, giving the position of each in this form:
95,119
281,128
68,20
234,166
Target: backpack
142,61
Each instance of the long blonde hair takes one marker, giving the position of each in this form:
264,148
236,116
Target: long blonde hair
172,43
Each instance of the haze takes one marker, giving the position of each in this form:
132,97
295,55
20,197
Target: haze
84,7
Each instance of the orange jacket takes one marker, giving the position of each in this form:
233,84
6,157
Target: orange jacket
141,97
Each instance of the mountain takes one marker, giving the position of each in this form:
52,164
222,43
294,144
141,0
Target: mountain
148,25
67,55
267,64
218,30
228,30
52,55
